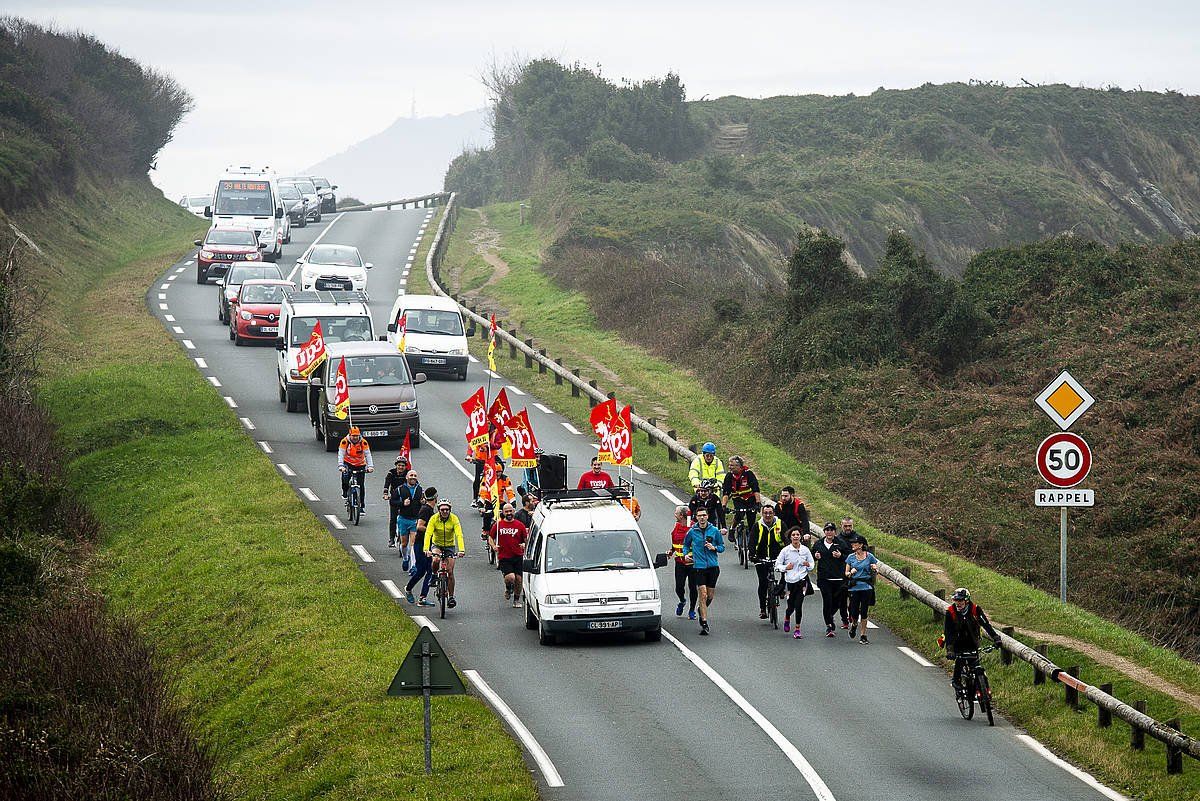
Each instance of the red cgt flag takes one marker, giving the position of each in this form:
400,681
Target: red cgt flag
312,353
475,408
602,421
500,411
620,438
341,391
524,443
406,448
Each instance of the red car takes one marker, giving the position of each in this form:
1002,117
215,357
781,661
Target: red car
223,247
254,313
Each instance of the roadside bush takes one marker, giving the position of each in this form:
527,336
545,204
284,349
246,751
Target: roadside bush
610,160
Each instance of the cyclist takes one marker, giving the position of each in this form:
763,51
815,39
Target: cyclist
683,570
702,545
741,486
354,457
444,541
792,511
706,465
766,541
797,562
706,498
422,565
595,478
962,623
830,552
507,538
861,567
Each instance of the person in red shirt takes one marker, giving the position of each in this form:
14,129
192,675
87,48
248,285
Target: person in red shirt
683,568
595,478
507,537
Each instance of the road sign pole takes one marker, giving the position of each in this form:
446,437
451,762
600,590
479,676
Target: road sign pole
1062,554
426,686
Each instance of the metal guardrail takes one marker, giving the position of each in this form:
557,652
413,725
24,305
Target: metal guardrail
1176,741
387,204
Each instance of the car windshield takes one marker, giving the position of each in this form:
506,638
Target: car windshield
432,321
321,183
230,236
376,371
340,255
197,201
333,329
246,198
262,293
303,185
288,192
595,550
240,273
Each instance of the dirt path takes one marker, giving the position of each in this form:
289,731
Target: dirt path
486,241
1129,668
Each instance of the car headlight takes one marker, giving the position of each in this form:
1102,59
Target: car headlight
295,375
255,256
411,348
206,254
458,351
245,315
558,599
646,595
408,406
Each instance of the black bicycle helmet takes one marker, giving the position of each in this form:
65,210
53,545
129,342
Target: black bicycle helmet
961,594
708,483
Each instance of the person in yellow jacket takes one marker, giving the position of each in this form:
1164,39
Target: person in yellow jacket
444,540
706,465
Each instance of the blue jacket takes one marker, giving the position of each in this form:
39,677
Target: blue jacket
693,543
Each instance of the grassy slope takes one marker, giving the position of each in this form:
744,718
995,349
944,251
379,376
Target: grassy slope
281,648
552,315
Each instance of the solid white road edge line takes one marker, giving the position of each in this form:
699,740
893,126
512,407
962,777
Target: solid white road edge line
670,496
819,788
914,656
1084,777
570,428
309,494
333,521
549,772
448,455
421,620
362,553
287,471
246,422
331,224
392,589
266,447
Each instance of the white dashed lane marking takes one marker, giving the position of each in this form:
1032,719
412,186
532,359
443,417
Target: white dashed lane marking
187,343
392,589
203,365
287,471
212,379
333,521
169,318
542,408
165,287
638,470
1086,778
162,295
914,656
266,447
172,277
491,373
670,496
189,262
307,493
421,620
570,427
232,403
246,422
177,329
362,553
472,359
163,306
514,390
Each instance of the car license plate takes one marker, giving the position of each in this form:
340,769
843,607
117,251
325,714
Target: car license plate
434,361
269,329
374,433
604,624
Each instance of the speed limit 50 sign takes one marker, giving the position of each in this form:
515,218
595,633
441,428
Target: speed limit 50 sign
1064,459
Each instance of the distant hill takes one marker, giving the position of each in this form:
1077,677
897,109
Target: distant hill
409,157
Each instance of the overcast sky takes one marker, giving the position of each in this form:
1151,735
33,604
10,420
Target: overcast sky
288,84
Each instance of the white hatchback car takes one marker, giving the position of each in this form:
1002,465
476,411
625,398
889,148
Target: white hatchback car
331,267
587,569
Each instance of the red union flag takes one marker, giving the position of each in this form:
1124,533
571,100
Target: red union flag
312,353
620,438
475,408
524,444
500,411
602,419
341,391
406,448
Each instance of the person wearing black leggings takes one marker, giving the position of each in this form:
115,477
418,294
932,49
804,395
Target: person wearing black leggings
831,551
683,570
795,561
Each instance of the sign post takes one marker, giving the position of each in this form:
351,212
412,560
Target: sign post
426,671
1064,459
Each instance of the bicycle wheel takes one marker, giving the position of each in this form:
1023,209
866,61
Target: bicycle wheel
773,606
355,506
985,696
966,699
442,592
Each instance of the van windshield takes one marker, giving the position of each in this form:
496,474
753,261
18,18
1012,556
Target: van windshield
333,329
245,198
595,550
376,371
432,321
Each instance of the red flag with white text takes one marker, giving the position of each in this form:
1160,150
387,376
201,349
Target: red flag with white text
475,408
524,443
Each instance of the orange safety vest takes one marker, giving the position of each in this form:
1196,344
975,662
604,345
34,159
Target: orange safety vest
356,454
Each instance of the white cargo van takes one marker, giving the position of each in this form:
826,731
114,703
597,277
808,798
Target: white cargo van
587,569
436,339
246,197
344,317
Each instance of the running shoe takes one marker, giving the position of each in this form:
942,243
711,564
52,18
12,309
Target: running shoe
679,609
797,635
391,543
863,640
691,614
845,625
408,596
507,592
516,604
853,630
404,565
787,626
829,631
703,628
451,602
762,614
424,601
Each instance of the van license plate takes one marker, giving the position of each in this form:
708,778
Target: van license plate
374,433
434,361
604,624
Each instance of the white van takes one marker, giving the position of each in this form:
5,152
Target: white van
249,198
436,339
344,317
587,569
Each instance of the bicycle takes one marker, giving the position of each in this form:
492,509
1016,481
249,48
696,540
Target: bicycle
743,520
773,591
975,685
442,582
354,499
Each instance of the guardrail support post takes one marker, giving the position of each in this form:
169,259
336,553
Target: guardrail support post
1174,755
1072,695
591,400
574,386
937,613
1137,737
528,358
557,376
512,349
904,571
1103,716
674,457
1005,654
1038,676
541,364
649,439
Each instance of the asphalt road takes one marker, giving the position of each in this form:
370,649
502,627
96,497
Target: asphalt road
746,713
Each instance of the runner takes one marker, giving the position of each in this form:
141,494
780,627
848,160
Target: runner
831,551
797,561
507,538
702,544
406,500
422,565
861,568
683,569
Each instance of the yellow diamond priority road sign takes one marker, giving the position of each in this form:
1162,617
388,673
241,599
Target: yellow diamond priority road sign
1064,400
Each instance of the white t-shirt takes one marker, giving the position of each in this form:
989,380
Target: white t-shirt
796,562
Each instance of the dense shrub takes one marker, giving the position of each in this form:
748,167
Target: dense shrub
610,160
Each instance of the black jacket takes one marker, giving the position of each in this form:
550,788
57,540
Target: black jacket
793,515
829,566
962,631
716,512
